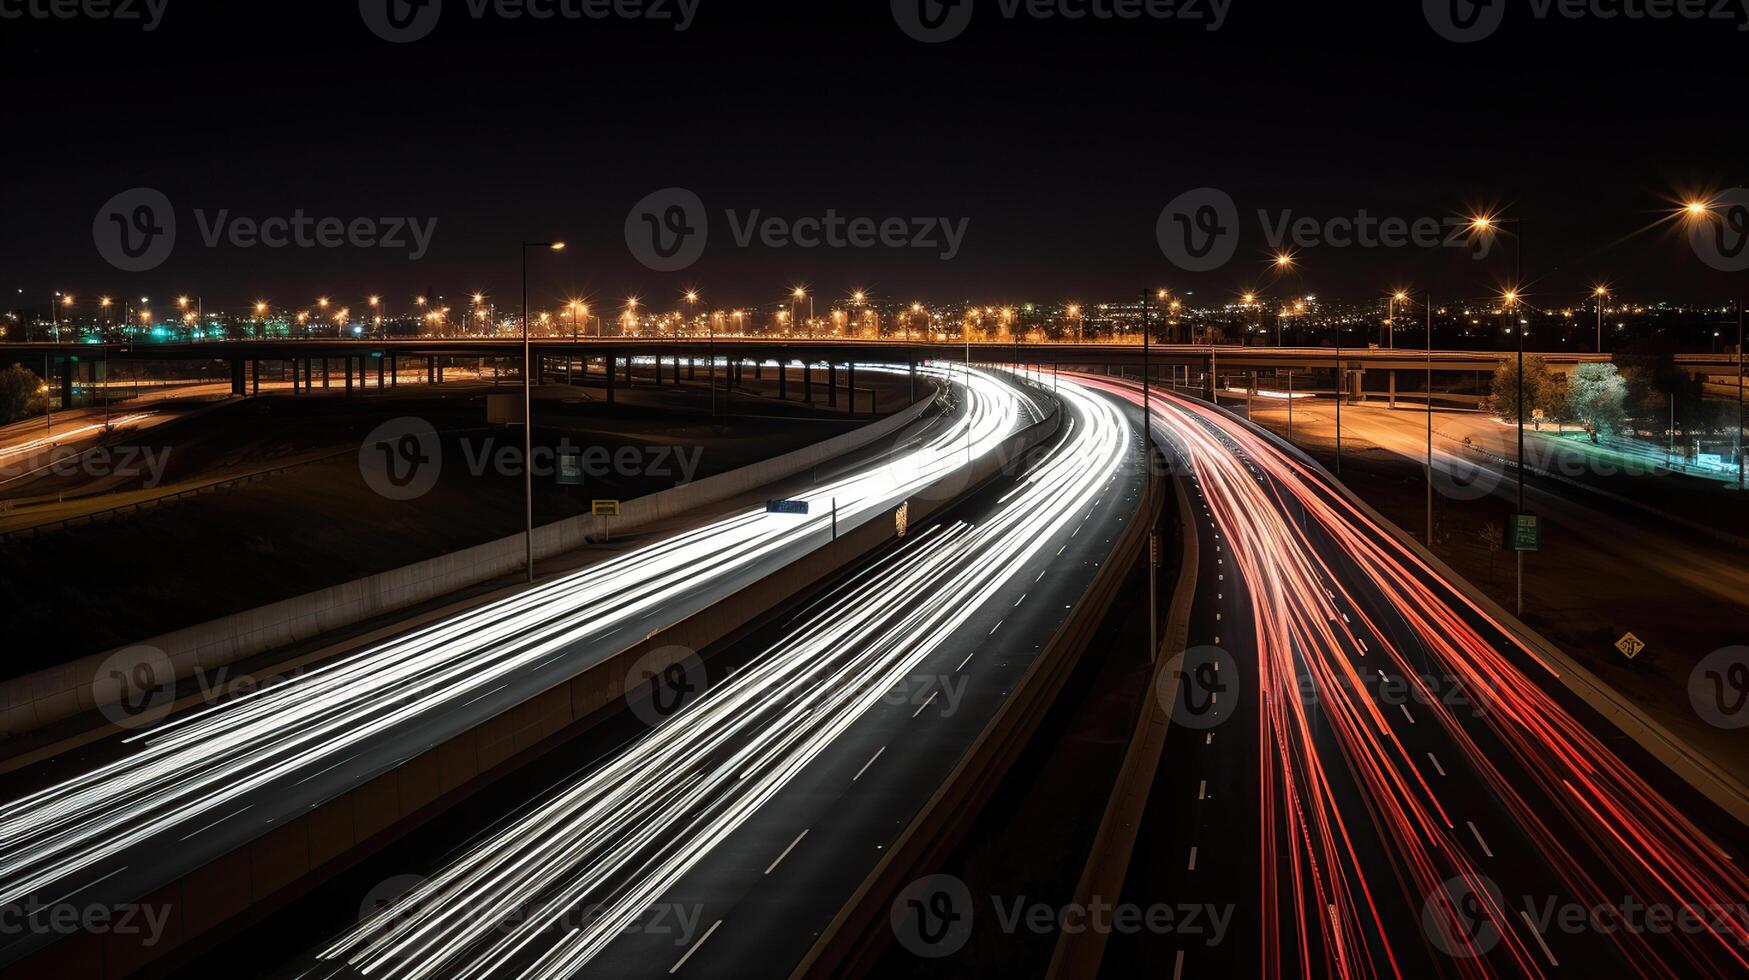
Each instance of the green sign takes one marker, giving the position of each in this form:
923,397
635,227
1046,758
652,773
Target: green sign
1526,533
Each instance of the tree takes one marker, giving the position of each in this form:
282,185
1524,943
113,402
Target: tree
20,393
1597,398
1541,389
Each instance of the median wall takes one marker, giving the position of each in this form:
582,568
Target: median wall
34,700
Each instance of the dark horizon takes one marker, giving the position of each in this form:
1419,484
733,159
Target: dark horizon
1056,143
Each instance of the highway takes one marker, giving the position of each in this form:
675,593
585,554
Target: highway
1380,780
195,787
720,843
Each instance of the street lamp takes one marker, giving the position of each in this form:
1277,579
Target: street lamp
1600,294
528,411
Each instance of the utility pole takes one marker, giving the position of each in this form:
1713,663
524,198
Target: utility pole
1147,488
1430,421
1341,392
1740,465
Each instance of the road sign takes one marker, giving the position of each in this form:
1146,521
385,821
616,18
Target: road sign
1526,532
570,469
786,506
1630,645
604,508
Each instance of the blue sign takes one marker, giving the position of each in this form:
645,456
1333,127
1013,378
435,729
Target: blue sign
786,506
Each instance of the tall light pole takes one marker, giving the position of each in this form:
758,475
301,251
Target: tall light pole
1391,318
1511,303
1429,299
528,411
1740,464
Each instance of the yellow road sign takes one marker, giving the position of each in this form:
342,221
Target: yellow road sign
1630,645
604,508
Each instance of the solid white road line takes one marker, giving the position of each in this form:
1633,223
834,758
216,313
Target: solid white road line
1436,764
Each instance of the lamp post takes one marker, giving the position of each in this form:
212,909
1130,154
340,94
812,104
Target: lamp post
528,411
1391,318
1600,294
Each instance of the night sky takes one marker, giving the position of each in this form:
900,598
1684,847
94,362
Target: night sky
1059,142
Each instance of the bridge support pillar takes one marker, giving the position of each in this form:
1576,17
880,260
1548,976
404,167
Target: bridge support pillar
607,369
66,383
691,370
808,382
911,365
782,380
348,360
255,375
850,385
1393,384
831,385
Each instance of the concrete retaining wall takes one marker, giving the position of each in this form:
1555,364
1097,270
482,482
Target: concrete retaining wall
34,700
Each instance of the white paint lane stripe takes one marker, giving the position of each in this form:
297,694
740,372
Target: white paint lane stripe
707,934
1436,764
1540,941
1479,839
870,762
791,847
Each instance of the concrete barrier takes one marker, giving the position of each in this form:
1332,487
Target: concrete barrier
1078,953
250,883
32,701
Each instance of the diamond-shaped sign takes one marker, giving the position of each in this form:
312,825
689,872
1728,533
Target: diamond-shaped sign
1630,645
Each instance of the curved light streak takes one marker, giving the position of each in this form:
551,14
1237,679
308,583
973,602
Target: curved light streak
196,767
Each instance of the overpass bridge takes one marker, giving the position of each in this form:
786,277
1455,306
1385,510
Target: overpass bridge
604,360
